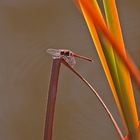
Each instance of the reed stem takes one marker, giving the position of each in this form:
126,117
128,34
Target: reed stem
99,99
52,99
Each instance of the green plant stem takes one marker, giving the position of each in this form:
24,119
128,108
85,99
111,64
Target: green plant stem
95,17
52,99
120,74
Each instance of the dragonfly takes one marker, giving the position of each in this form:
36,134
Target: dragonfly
67,55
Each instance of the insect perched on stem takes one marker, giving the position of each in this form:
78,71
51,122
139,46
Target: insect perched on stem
68,59
67,55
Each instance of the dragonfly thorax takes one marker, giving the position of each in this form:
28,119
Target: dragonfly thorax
66,53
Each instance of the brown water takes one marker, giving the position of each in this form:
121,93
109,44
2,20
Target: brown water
27,29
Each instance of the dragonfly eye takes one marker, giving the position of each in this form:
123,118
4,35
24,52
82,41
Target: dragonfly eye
62,52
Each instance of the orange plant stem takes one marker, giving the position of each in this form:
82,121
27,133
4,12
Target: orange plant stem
100,24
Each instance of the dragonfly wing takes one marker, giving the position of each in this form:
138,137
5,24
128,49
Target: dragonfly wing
54,52
70,60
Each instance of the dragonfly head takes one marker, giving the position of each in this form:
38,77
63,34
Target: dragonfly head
62,52
66,53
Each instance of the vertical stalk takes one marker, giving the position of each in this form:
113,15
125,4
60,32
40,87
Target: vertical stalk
95,17
121,75
52,99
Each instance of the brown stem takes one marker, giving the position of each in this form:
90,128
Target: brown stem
52,99
98,97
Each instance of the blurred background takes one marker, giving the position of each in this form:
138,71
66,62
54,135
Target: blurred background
27,29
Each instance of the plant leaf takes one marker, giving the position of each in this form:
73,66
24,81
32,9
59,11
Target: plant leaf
119,72
116,72
95,17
